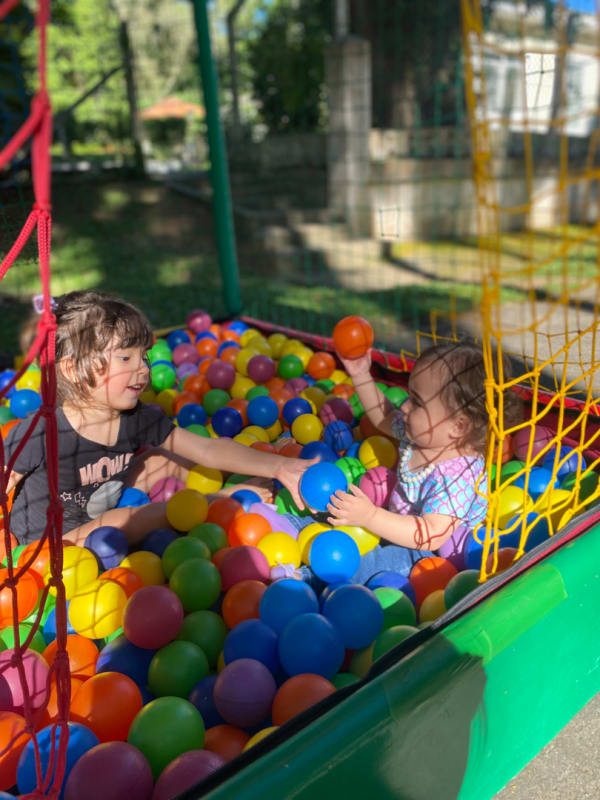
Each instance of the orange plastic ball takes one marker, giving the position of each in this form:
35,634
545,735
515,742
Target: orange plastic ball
352,337
274,384
297,694
506,558
240,405
215,329
183,399
430,574
367,428
27,589
320,365
82,653
223,510
13,543
13,738
281,396
291,450
107,704
226,740
227,335
229,355
247,529
126,578
27,554
50,713
343,390
8,426
196,384
242,602
207,347
266,447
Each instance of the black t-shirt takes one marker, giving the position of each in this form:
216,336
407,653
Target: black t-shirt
90,475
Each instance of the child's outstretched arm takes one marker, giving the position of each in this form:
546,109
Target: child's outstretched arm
377,407
428,532
230,456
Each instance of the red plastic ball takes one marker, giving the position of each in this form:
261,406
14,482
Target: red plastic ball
352,337
242,564
153,616
242,602
297,694
223,510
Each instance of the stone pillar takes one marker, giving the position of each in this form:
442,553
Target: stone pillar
348,81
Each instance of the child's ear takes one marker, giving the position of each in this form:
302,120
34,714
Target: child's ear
67,368
461,425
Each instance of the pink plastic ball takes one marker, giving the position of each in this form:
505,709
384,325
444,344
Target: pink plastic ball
152,618
520,441
184,353
36,674
164,489
220,374
243,563
111,769
336,408
185,369
186,771
261,368
198,321
378,484
296,385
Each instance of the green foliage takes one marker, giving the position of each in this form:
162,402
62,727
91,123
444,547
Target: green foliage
286,58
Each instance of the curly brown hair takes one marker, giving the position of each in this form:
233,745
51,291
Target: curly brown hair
87,323
464,390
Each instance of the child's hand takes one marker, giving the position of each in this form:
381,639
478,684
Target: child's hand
351,508
290,472
355,367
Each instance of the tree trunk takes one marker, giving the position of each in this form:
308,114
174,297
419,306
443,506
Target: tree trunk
134,121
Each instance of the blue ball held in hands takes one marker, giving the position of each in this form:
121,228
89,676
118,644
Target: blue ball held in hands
319,482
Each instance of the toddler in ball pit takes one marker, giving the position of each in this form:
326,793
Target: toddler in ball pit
441,431
101,371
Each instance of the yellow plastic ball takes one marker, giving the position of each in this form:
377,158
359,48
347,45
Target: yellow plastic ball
80,567
147,566
241,386
29,380
511,501
277,342
274,431
186,509
557,504
96,610
204,479
305,355
315,396
261,345
378,451
243,357
259,736
165,400
307,428
280,548
221,662
248,335
245,438
211,431
433,606
291,346
339,376
148,396
260,434
364,539
361,661
306,537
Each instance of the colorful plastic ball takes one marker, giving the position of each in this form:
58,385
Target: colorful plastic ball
205,480
541,436
429,574
280,548
260,368
198,320
334,556
319,482
132,497
13,738
79,567
80,740
227,422
202,696
215,399
398,608
378,451
49,627
176,668
294,408
336,409
185,369
162,376
243,563
177,337
158,540
166,728
222,510
538,481
501,561
343,679
185,772
246,497
113,769
107,704
35,672
96,610
185,353
191,414
391,637
242,602
587,484
320,365
27,593
355,612
183,549
211,534
147,566
289,366
109,544
352,337
263,411
572,461
244,692
37,642
24,402
309,643
197,583
378,483
122,656
299,693
277,521
226,740
512,500
6,377
319,450
352,468
82,654
460,586
252,639
248,529
186,509
432,607
297,385
396,395
338,435
259,736
153,616
207,630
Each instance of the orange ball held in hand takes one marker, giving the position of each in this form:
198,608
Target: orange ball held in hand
352,337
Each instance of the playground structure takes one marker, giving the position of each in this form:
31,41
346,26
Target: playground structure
548,327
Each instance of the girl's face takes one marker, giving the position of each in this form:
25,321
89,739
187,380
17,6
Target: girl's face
124,379
428,423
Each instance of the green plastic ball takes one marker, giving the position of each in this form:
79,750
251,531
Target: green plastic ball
459,586
396,395
211,534
352,468
176,668
325,385
256,391
38,643
182,550
5,414
160,352
390,637
197,583
286,505
207,630
343,679
587,484
215,399
236,478
164,729
162,376
397,607
510,468
357,407
199,430
290,366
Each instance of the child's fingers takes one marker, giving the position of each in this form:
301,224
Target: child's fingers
356,490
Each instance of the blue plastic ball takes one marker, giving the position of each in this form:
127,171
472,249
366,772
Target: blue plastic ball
202,697
310,643
352,451
246,497
538,533
49,629
539,478
318,450
473,551
6,377
131,497
338,435
395,581
334,556
109,545
237,326
81,739
252,638
570,465
178,337
284,600
121,655
205,335
294,408
263,411
319,482
191,414
158,540
24,401
227,421
224,345
356,613
331,587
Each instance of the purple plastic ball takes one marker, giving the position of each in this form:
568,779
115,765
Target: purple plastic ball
111,769
198,320
184,353
220,374
164,489
186,771
185,370
244,692
261,368
296,385
276,520
336,408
